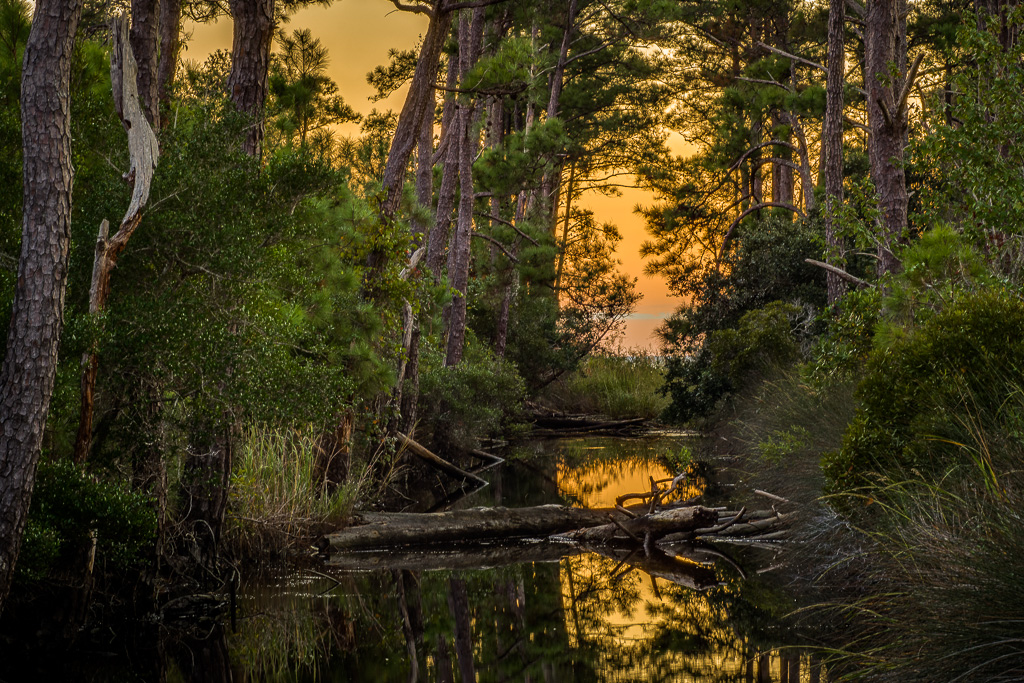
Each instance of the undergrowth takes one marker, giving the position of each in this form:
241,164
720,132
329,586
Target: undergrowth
622,385
279,496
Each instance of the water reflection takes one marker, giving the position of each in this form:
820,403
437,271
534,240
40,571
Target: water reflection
528,612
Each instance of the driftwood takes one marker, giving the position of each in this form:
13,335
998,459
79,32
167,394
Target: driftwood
377,531
567,425
437,462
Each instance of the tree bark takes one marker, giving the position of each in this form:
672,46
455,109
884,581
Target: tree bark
143,151
170,47
471,28
552,180
145,16
832,145
885,63
37,317
248,82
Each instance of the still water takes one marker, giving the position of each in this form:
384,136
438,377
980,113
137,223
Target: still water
533,612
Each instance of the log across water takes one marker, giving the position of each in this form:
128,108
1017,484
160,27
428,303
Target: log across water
386,531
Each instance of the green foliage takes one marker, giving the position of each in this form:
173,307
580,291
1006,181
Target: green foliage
623,385
963,360
765,341
279,494
841,352
479,397
67,506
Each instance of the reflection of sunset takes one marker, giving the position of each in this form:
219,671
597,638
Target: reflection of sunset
359,34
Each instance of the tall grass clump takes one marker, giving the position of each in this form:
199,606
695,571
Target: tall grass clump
620,385
279,495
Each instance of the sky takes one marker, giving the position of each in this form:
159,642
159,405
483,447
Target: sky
358,35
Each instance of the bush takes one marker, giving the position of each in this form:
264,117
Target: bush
477,398
963,361
765,341
67,506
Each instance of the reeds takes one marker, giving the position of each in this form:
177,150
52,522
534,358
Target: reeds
279,495
621,385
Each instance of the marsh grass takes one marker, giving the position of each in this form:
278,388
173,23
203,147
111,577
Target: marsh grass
935,589
621,385
279,498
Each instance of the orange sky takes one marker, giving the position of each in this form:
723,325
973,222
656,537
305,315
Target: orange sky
358,34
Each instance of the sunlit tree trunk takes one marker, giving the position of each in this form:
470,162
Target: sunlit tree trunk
37,317
252,36
885,63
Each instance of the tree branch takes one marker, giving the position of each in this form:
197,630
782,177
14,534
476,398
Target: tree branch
509,224
756,207
418,9
787,55
780,143
498,244
853,279
901,103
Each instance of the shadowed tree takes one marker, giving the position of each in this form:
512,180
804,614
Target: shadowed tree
37,318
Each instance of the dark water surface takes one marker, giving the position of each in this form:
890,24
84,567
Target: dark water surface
532,612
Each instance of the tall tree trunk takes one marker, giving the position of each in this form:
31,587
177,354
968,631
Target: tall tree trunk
143,151
37,317
145,17
417,103
471,29
170,46
782,175
250,65
449,175
832,144
552,180
458,605
885,63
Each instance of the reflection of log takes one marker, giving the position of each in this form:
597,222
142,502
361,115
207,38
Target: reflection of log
663,566
437,462
450,559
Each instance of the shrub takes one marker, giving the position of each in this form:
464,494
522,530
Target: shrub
477,398
965,360
67,506
619,386
765,341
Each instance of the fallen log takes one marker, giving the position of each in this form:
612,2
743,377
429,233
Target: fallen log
650,527
437,461
383,530
387,530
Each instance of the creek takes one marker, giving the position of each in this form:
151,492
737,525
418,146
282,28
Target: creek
523,613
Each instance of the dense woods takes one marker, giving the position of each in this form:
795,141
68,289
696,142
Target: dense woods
844,236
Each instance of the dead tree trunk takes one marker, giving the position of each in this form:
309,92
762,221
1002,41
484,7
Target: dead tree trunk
143,151
37,317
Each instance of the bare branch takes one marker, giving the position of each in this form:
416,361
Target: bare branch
853,279
901,103
787,55
498,244
509,224
780,143
857,8
418,9
752,209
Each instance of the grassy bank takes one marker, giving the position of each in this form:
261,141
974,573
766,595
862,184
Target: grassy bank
622,385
